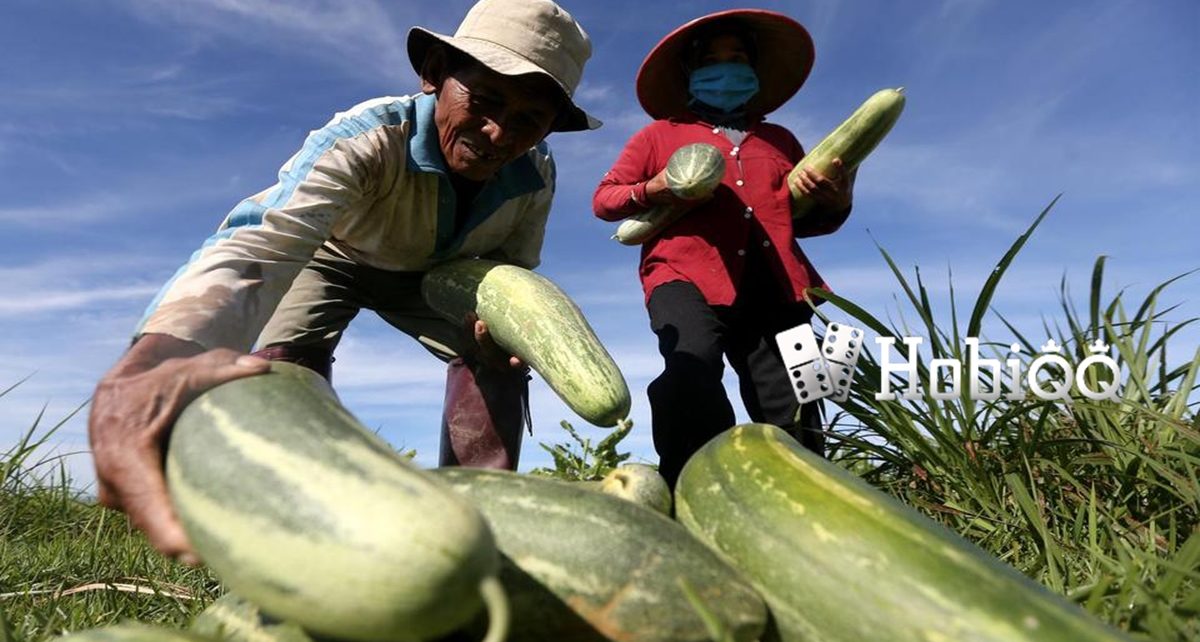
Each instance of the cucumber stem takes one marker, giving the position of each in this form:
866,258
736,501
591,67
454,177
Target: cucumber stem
496,603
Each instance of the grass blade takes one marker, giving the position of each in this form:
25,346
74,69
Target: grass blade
989,286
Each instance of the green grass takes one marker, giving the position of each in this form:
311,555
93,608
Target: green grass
581,461
1098,500
67,564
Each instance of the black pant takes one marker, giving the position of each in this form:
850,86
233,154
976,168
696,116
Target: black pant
688,402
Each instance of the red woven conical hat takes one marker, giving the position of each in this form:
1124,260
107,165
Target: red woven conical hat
785,57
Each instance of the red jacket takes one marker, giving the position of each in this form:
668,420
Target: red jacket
749,212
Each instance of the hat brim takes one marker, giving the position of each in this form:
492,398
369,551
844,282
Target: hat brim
785,58
502,61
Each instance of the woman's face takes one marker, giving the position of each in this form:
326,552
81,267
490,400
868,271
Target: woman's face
723,48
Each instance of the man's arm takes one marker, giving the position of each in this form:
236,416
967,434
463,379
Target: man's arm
230,287
132,412
195,333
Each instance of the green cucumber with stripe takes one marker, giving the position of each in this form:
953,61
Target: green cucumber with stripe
136,633
299,508
693,171
839,561
534,320
852,141
586,566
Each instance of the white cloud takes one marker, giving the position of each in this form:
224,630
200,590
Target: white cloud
87,209
124,96
374,359
63,322
589,94
363,37
943,181
58,301
180,183
100,271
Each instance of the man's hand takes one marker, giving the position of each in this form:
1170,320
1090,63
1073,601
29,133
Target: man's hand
487,352
133,410
831,193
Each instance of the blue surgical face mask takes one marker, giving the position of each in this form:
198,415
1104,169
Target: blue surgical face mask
724,85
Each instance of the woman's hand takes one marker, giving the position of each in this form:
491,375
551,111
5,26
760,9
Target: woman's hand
833,192
659,193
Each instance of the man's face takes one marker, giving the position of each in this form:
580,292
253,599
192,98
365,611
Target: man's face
486,120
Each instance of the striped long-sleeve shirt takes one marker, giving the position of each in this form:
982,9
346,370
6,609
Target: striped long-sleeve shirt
374,183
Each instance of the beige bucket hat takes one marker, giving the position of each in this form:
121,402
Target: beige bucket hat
514,37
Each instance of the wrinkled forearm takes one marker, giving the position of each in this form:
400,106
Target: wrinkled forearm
149,350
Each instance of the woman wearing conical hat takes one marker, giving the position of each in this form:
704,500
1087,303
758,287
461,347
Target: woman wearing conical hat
728,275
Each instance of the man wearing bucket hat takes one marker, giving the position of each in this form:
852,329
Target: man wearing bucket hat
728,275
375,198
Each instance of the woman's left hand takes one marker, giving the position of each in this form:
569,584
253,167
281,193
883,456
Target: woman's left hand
833,192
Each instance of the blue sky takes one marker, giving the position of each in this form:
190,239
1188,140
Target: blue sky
128,128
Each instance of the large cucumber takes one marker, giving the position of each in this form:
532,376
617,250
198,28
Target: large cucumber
299,508
856,137
693,171
532,318
586,566
839,561
135,633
